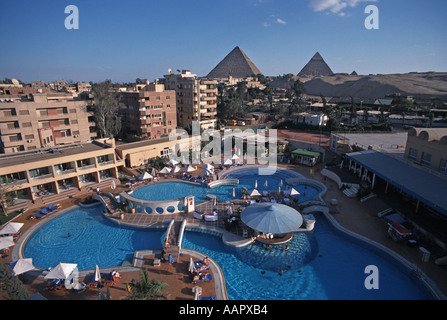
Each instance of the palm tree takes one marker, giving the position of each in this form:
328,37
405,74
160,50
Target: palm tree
145,288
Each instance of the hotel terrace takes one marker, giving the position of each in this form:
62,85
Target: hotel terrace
52,174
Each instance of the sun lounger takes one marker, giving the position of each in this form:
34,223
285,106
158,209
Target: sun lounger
44,211
207,277
199,265
109,280
55,284
94,284
53,207
37,216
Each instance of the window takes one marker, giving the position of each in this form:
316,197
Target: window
412,154
443,166
426,159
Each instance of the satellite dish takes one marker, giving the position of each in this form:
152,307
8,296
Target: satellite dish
169,70
15,82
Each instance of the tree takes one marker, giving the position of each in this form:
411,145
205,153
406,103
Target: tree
11,284
145,288
105,109
5,197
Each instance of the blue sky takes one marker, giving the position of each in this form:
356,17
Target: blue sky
125,40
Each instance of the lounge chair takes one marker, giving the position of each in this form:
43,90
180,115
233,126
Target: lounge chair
44,211
207,277
201,266
55,284
53,207
109,280
94,284
37,216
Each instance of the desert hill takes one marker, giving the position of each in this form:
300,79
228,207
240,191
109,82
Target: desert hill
419,85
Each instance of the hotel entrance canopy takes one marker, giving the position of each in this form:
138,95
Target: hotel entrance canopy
419,184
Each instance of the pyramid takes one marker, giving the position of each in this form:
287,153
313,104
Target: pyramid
236,64
316,67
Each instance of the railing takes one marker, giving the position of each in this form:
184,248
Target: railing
13,183
105,163
90,166
42,177
63,172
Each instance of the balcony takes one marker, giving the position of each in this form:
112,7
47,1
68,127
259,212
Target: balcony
64,172
86,167
105,163
42,177
13,183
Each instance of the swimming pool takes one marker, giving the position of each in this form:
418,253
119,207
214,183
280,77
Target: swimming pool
84,236
322,264
248,177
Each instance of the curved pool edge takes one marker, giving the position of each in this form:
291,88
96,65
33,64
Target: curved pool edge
17,251
425,280
219,279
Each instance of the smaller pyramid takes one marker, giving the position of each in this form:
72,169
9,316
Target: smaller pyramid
236,64
354,73
316,67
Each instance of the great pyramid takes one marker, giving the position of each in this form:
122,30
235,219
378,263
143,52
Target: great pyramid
316,67
236,64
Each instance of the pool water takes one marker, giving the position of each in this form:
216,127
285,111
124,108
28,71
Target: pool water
319,265
93,240
322,264
174,189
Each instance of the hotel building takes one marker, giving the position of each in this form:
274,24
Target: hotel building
42,120
428,147
49,175
196,99
149,113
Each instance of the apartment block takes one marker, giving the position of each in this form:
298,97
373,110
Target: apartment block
196,99
149,113
41,120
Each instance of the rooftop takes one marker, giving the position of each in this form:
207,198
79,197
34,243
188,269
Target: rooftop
7,160
425,187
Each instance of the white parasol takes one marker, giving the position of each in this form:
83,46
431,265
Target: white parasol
146,175
11,228
165,170
61,271
6,242
97,275
172,162
23,265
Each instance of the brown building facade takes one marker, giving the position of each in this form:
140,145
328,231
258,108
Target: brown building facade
30,122
149,113
196,99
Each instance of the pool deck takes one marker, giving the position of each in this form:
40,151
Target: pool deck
353,215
